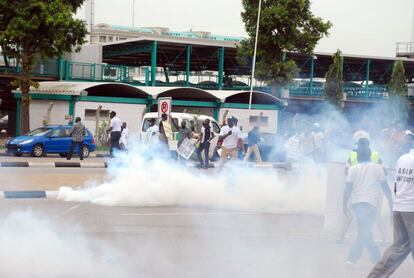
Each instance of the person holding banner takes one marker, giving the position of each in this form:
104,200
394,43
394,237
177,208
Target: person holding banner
205,137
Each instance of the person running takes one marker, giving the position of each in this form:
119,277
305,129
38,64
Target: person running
123,141
205,137
403,216
115,130
230,136
185,133
252,140
77,133
363,189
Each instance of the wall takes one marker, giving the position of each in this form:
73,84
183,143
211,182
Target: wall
88,54
130,113
194,110
243,116
38,112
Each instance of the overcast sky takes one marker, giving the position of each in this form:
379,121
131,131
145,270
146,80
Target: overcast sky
367,27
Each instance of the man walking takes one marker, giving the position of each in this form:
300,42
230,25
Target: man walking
123,141
365,181
205,137
77,133
252,140
115,130
230,135
403,244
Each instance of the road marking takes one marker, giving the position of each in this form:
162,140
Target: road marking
42,164
190,213
75,207
52,194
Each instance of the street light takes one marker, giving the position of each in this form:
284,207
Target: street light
254,54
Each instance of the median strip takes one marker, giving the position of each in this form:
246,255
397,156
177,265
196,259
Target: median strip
9,164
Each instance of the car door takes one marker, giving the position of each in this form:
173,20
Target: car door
52,142
65,140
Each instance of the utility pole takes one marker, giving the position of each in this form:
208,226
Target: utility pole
254,54
133,13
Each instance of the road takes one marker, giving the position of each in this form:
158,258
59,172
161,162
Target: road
86,240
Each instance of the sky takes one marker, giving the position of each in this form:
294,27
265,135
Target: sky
363,27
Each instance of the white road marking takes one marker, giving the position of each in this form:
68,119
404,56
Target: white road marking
52,194
41,164
189,213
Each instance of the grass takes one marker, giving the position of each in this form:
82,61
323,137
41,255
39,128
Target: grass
102,149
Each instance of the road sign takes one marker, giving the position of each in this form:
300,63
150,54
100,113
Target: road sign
164,106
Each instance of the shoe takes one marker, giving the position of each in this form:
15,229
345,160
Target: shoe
81,159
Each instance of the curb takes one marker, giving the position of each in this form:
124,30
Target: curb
20,164
29,194
98,155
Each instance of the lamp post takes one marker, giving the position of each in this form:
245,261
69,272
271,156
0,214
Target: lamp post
254,54
133,13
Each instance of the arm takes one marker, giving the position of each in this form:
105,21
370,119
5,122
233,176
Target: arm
222,137
387,193
347,195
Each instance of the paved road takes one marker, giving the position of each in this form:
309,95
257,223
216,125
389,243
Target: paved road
86,240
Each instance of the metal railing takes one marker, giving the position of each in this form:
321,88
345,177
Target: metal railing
405,49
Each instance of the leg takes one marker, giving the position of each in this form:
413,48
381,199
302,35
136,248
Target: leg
234,154
248,153
206,154
72,146
199,151
80,150
408,218
257,153
395,255
224,154
111,150
365,216
117,137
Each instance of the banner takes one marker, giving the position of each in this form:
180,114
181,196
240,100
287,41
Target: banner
187,148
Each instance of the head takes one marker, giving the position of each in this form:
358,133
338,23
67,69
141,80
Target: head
183,124
112,114
152,122
363,150
124,125
206,123
230,122
77,120
164,117
235,121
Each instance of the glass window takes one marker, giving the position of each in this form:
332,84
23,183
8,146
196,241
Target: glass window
216,128
146,124
102,38
39,132
59,132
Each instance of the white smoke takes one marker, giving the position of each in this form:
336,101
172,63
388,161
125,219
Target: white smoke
33,245
136,180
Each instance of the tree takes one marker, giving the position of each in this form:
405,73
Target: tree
31,29
334,85
397,106
285,26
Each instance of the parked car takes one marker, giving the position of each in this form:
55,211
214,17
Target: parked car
52,139
4,123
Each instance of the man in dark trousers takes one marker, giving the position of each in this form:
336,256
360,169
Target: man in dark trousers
115,129
205,137
77,133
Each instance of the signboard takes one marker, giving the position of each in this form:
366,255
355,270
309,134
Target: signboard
164,106
186,148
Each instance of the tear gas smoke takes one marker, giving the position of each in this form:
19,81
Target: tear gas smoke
139,179
34,246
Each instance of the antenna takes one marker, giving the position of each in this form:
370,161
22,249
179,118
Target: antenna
90,16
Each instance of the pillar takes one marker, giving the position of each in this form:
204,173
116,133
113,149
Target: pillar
153,63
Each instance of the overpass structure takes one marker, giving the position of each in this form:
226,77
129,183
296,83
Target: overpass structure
182,60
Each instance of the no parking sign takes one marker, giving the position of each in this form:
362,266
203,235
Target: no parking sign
164,106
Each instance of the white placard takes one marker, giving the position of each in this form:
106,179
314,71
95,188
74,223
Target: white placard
187,148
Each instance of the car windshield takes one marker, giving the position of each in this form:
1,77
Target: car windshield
39,132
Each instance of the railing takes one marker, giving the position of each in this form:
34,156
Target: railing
405,49
377,91
41,68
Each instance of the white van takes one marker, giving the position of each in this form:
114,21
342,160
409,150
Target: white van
194,122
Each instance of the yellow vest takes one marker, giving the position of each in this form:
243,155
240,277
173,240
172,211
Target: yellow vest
353,158
167,129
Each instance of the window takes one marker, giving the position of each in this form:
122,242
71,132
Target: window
90,115
264,121
60,132
102,38
216,128
110,39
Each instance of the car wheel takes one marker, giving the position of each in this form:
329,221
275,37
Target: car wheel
86,151
63,154
38,150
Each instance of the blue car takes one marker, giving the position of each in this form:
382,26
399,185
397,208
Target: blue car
54,139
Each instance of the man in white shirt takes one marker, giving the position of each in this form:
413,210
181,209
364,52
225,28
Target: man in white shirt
403,244
366,181
123,141
230,135
115,130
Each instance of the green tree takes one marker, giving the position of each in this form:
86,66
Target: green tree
397,106
285,26
30,29
334,85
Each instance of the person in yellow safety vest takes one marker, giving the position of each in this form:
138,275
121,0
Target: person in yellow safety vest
353,160
165,127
